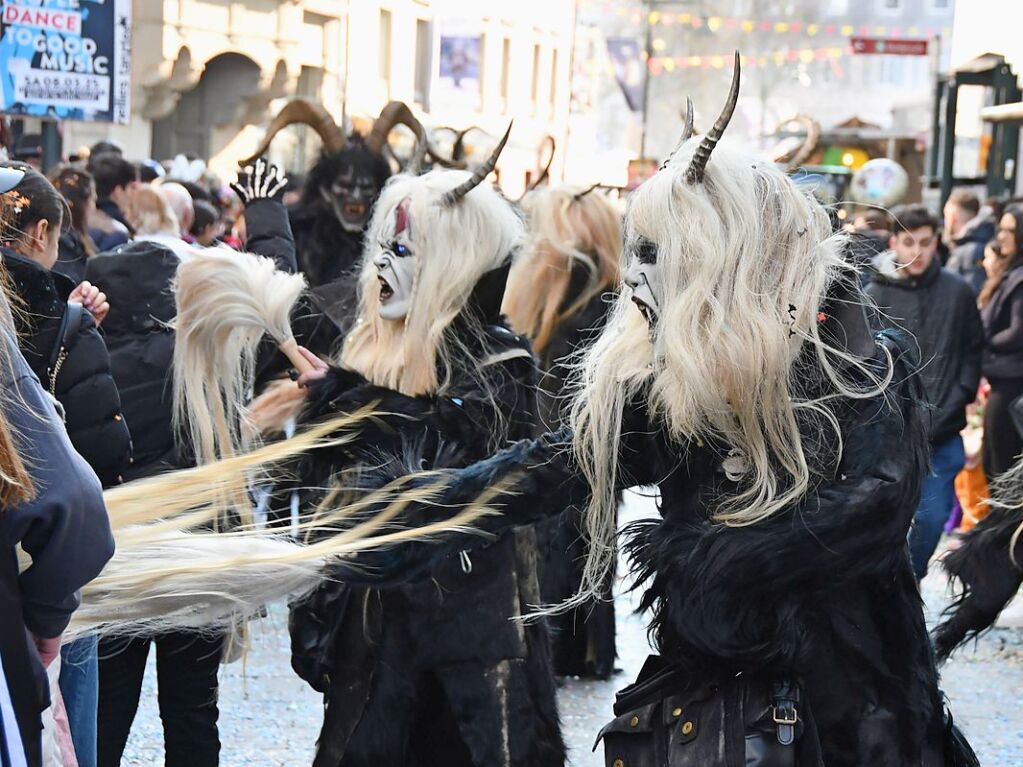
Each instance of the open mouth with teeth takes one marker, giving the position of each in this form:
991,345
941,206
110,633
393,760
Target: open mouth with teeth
354,210
645,310
386,291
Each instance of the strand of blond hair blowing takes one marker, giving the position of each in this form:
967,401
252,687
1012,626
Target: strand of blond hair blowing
226,301
735,253
166,576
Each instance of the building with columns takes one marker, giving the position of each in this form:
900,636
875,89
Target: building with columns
207,75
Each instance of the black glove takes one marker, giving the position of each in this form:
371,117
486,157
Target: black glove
261,181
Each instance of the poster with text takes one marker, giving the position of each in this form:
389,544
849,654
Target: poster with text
66,58
460,63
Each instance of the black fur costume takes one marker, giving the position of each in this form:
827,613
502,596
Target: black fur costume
822,593
988,575
583,638
434,672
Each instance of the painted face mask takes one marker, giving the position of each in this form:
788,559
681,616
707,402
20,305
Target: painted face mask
643,277
351,197
396,267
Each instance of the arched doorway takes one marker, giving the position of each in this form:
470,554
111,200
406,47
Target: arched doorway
215,102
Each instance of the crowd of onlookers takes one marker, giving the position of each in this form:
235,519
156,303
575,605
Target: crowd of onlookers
90,251
954,286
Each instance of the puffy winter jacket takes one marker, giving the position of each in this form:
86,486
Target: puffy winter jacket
136,278
73,364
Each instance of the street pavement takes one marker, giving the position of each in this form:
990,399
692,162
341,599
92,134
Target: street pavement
270,717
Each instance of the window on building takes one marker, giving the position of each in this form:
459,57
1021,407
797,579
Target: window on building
890,6
505,71
941,6
554,80
424,62
310,86
534,86
483,67
384,51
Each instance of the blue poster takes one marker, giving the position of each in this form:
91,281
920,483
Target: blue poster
66,58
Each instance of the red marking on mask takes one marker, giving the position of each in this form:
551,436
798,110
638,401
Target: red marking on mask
401,217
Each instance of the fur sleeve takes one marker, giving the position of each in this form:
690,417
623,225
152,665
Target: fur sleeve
987,575
743,593
540,482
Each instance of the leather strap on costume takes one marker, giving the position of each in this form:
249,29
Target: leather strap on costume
785,713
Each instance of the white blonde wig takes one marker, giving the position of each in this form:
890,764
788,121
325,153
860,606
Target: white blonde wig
454,246
746,261
568,227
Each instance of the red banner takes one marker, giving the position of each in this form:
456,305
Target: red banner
888,46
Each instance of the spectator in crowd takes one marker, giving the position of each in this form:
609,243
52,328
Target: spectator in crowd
938,308
207,227
195,190
968,227
106,146
1001,302
868,236
150,171
181,204
56,331
114,177
150,215
76,246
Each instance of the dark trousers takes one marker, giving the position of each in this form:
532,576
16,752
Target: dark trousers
1002,441
186,676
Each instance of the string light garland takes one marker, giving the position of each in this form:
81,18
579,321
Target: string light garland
658,64
774,26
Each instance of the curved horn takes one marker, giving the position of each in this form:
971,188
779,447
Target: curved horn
395,112
546,168
302,111
698,165
580,195
813,137
456,194
415,164
687,132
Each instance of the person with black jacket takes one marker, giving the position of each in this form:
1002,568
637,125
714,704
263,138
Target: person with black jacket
137,276
1001,302
58,518
937,307
114,177
57,330
968,228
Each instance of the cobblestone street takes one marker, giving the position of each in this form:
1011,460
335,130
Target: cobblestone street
270,717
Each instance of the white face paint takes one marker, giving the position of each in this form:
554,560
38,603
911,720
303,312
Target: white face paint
644,277
396,268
